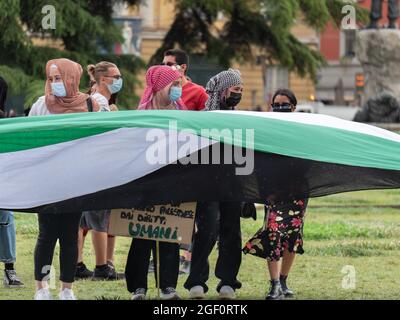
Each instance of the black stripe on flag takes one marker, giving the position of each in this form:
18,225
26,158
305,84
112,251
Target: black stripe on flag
275,177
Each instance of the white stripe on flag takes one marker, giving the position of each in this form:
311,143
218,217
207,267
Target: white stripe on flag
44,175
323,121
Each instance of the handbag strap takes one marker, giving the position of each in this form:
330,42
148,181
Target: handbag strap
89,103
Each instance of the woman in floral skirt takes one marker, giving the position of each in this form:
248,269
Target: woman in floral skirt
282,233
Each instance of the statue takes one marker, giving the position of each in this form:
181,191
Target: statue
127,34
384,107
132,40
376,13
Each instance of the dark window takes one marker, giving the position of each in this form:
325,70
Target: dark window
349,43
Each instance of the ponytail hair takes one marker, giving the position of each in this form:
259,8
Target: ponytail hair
90,70
99,70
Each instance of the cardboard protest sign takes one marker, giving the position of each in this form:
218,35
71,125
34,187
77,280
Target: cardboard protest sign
168,223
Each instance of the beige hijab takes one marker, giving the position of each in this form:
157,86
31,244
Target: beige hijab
75,101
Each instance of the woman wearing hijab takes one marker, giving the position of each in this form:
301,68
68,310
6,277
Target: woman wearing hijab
218,219
224,90
62,96
7,226
62,90
163,91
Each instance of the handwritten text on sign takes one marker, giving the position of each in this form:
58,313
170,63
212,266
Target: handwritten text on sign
159,222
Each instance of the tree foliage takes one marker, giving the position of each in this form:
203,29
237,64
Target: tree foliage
83,28
252,25
249,28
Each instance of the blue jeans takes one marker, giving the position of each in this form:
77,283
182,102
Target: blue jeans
7,237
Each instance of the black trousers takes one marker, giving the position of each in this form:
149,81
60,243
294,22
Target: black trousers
216,220
52,227
376,10
137,265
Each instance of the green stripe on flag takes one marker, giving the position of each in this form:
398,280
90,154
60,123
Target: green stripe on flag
294,139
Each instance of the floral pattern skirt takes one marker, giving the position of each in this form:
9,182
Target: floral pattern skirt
282,230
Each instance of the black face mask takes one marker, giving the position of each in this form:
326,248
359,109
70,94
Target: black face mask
233,100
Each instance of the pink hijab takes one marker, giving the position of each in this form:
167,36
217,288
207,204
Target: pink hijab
75,101
158,81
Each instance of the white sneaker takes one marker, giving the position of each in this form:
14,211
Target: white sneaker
197,292
227,293
43,294
67,294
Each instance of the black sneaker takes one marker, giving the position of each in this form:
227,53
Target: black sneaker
82,272
288,293
275,292
139,294
120,276
105,273
11,280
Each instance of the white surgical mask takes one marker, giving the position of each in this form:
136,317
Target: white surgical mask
58,89
175,93
116,86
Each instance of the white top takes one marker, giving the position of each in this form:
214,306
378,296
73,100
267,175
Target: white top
102,101
39,108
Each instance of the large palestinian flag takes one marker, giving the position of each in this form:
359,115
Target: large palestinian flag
121,159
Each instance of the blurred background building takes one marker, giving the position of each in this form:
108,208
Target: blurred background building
154,20
339,83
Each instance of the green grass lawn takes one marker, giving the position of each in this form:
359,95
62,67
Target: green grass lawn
341,230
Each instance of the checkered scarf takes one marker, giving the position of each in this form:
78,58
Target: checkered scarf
157,78
217,86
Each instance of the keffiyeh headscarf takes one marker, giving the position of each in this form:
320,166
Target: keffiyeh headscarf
217,85
157,79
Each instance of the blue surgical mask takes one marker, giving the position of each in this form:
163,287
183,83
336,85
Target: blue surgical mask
58,89
175,93
116,86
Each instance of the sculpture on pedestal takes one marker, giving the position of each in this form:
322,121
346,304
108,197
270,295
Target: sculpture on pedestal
384,107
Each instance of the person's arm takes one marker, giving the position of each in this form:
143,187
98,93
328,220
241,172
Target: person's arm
37,108
203,97
101,102
113,107
180,104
